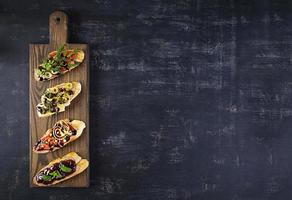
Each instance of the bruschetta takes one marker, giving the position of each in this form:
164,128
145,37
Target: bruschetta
55,99
58,63
60,170
62,133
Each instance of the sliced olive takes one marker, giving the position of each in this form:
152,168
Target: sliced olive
47,75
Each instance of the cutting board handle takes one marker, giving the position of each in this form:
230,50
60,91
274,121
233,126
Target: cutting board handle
58,28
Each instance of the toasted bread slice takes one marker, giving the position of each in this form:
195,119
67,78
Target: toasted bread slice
81,165
76,124
77,58
76,90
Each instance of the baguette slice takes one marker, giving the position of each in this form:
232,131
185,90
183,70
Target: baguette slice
81,165
76,89
76,124
77,59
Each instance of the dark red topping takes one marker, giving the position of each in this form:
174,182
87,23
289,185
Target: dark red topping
56,171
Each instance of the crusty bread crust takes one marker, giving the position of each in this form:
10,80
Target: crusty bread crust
77,125
81,165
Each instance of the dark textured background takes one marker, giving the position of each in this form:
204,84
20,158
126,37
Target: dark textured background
189,99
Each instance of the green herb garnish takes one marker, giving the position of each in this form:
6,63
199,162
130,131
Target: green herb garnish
56,174
64,168
60,51
46,177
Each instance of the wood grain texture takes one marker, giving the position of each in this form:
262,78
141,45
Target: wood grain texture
58,28
77,110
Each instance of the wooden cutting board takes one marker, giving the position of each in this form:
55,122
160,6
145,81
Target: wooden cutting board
79,108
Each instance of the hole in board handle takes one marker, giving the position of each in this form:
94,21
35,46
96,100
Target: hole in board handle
58,19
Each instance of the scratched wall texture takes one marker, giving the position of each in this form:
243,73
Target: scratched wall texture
189,99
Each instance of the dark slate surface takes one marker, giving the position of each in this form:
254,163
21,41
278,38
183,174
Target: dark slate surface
189,99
